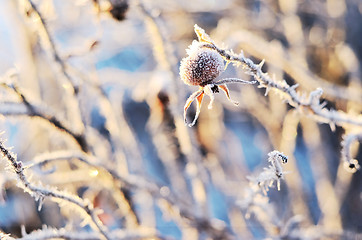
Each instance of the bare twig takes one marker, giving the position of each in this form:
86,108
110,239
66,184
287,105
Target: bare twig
36,110
273,173
259,47
310,105
56,56
65,233
73,90
137,182
351,164
39,193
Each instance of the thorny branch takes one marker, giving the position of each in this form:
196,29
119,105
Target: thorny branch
67,233
137,182
310,105
34,110
39,193
258,47
181,212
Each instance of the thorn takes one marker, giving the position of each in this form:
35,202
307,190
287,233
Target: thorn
261,85
284,83
249,72
10,148
323,104
332,125
295,86
23,230
191,124
267,89
226,65
236,64
248,61
40,202
241,55
319,91
260,65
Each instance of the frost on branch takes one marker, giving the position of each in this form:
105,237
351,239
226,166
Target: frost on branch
352,165
4,236
104,122
255,199
39,192
310,105
274,173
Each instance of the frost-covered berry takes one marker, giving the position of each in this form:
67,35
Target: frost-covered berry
201,66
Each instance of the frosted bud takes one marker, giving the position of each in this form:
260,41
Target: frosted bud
201,66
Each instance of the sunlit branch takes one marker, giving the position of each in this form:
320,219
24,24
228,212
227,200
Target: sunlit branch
311,105
39,110
39,192
350,163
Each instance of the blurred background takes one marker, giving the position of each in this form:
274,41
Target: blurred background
107,71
